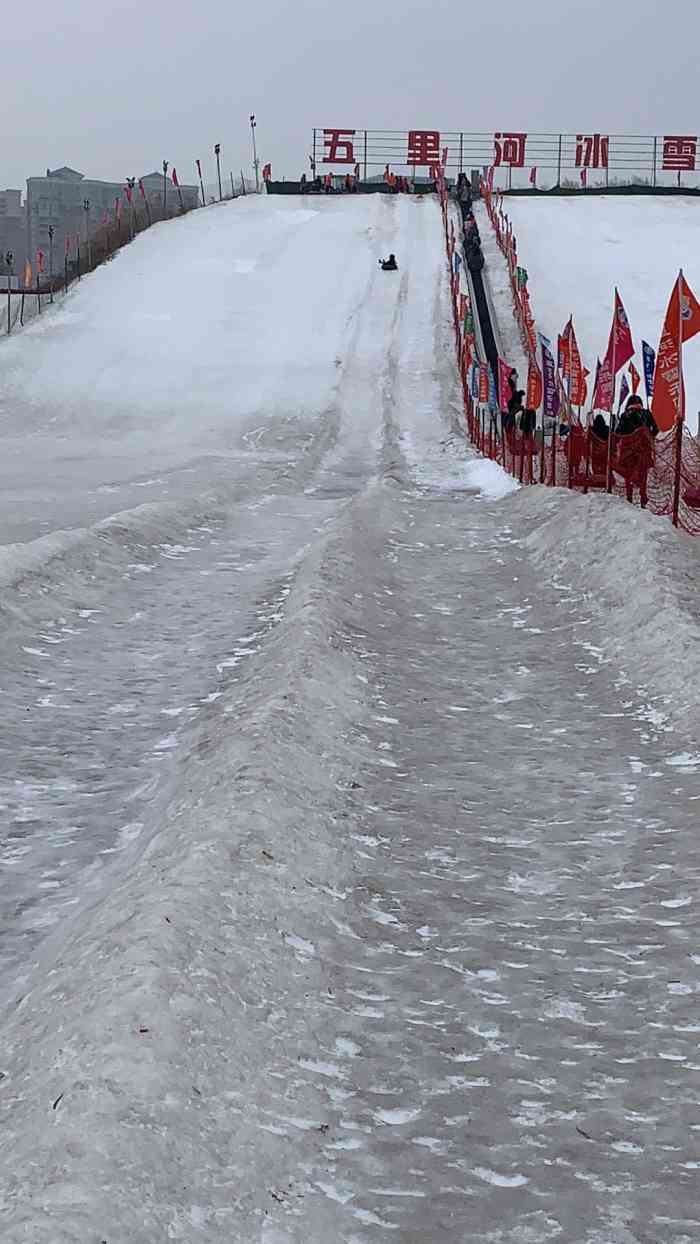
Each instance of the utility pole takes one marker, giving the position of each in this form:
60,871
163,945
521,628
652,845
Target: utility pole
51,234
86,209
217,153
253,127
201,183
233,192
165,187
9,262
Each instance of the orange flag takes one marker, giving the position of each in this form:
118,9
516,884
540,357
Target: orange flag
28,275
534,386
634,377
577,383
682,322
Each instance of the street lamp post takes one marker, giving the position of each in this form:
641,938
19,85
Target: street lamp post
165,187
131,186
217,153
253,126
9,262
51,236
86,209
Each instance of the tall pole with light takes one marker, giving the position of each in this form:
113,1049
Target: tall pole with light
51,236
217,153
253,126
86,209
165,187
9,262
131,186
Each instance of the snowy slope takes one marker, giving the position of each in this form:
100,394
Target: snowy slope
195,334
577,249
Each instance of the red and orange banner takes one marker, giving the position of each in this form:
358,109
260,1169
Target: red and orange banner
682,322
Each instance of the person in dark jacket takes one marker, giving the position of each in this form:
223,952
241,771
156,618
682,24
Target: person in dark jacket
600,428
515,402
528,422
389,265
631,418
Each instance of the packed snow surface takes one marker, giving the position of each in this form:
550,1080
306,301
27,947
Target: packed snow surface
577,249
349,843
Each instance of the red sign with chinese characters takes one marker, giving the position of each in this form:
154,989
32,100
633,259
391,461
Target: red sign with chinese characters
680,153
509,149
423,147
592,150
339,146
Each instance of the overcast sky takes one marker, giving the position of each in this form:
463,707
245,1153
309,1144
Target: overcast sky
112,87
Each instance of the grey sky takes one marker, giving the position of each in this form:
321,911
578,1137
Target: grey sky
114,86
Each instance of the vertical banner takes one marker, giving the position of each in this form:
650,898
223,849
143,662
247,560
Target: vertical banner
504,393
549,380
682,322
483,383
533,398
649,357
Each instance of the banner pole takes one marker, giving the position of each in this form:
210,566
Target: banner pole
680,414
609,473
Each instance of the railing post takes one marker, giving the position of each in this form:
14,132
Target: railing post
365,158
559,164
677,471
553,480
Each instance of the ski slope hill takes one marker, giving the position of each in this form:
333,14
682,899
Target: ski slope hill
170,357
577,249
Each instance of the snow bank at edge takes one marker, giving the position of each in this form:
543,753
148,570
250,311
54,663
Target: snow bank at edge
489,479
639,574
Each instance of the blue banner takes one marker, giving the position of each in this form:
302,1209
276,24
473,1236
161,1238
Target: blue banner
493,392
649,368
475,381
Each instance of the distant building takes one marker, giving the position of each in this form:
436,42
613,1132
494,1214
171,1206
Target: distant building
13,231
59,199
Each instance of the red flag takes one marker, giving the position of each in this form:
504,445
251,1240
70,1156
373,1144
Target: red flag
533,176
586,374
690,310
620,348
483,382
504,393
605,386
67,243
534,386
143,192
563,351
584,177
39,261
682,322
175,180
634,377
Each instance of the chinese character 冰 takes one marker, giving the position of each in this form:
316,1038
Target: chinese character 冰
592,150
510,149
423,147
339,147
679,153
